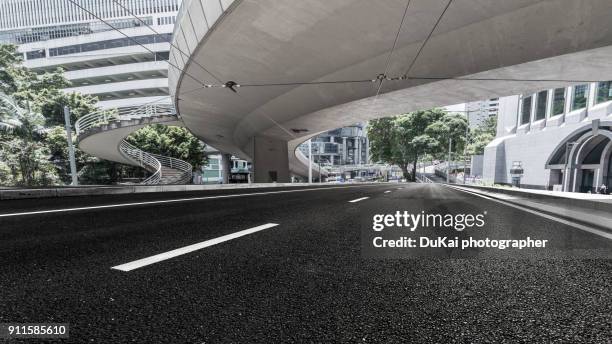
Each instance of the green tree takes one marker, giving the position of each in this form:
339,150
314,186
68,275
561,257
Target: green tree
28,163
24,155
9,59
175,142
23,123
450,126
481,136
43,94
51,103
403,139
22,83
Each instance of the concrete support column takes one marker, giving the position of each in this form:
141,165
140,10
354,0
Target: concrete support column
331,156
344,151
358,151
226,162
270,160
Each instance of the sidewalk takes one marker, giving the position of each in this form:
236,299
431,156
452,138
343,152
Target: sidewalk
588,209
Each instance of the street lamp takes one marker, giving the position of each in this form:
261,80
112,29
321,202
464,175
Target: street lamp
448,163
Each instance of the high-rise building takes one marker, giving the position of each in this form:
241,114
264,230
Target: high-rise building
477,111
126,68
342,146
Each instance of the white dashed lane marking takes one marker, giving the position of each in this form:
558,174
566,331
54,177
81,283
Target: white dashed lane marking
132,204
187,249
358,199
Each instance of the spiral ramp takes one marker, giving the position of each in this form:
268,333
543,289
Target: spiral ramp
102,134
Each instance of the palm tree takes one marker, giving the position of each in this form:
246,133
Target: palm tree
21,149
19,122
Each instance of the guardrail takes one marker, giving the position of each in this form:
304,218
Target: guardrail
423,178
151,162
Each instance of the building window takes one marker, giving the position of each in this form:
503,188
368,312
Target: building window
604,91
109,44
213,164
579,99
558,101
526,110
36,54
541,105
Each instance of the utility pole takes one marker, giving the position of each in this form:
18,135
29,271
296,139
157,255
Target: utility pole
448,163
73,171
467,130
310,161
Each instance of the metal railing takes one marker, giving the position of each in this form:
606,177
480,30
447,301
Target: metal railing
183,167
103,117
144,159
422,178
153,163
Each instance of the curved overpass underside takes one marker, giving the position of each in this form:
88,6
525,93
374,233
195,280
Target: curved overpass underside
307,66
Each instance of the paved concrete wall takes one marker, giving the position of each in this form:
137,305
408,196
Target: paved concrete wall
476,165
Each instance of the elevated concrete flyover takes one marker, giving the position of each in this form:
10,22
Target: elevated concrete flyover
303,67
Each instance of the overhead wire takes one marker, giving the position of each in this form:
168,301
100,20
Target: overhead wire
131,13
132,39
380,78
388,63
427,39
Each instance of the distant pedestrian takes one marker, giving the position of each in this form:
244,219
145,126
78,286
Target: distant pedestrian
603,189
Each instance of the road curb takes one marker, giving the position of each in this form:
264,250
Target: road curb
547,212
15,194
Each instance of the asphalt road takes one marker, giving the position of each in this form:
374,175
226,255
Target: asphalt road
304,280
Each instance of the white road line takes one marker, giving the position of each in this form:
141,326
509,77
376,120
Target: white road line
387,191
399,188
550,217
358,199
187,249
171,201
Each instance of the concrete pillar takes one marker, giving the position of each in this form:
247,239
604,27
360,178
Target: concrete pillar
358,151
331,156
226,162
344,151
310,161
270,160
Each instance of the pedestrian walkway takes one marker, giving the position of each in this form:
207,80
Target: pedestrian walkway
590,209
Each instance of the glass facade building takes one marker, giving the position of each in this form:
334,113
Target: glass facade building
338,147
